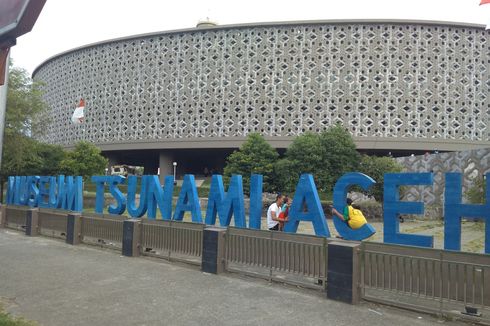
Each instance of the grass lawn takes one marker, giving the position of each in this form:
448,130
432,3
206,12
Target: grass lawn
8,320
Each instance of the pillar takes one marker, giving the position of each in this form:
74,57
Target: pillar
213,250
131,238
32,222
343,272
3,217
165,164
112,158
73,228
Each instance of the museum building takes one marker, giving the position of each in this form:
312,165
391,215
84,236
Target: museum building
191,96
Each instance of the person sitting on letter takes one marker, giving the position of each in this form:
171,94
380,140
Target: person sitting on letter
283,215
273,213
352,216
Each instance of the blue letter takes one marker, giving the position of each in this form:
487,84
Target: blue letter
141,210
72,194
454,210
56,191
188,201
11,191
227,204
339,202
21,190
393,207
113,181
120,206
159,197
306,196
43,196
100,181
33,191
255,212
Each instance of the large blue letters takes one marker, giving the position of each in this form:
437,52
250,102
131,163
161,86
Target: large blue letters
454,211
131,200
160,197
393,207
306,206
67,193
339,201
226,205
70,193
255,210
188,201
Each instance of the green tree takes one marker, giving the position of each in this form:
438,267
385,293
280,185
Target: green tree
19,155
376,167
327,156
50,158
476,194
340,153
22,119
304,155
24,105
254,156
84,160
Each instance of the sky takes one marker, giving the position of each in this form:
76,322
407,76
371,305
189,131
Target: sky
67,24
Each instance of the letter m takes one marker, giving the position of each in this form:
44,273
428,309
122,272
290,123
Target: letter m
226,205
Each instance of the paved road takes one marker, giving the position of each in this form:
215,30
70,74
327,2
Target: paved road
57,284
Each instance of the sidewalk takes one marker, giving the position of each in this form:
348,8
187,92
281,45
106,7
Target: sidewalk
57,284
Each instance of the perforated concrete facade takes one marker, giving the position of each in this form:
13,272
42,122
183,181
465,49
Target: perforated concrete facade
394,85
472,164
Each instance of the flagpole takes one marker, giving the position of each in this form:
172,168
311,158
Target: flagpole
3,104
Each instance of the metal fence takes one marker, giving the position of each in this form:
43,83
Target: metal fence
103,230
172,240
15,217
52,223
429,280
422,279
290,258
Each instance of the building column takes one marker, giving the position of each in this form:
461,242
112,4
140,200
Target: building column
112,158
166,160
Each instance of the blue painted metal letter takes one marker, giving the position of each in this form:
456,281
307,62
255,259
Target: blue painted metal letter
188,201
454,211
339,202
226,205
306,196
255,210
393,207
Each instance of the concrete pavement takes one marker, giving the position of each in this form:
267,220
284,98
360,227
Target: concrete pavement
54,283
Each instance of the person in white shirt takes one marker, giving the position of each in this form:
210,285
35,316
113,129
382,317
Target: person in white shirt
273,213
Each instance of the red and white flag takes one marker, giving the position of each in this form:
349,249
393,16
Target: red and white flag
78,116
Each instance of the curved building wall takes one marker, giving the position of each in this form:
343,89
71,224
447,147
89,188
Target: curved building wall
394,85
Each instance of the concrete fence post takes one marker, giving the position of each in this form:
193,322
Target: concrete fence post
343,272
3,218
74,228
32,222
213,250
131,238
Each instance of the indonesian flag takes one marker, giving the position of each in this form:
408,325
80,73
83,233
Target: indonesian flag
77,117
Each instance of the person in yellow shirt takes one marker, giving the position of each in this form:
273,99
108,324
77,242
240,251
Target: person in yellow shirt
352,216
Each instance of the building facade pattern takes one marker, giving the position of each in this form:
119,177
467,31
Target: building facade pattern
385,80
473,164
